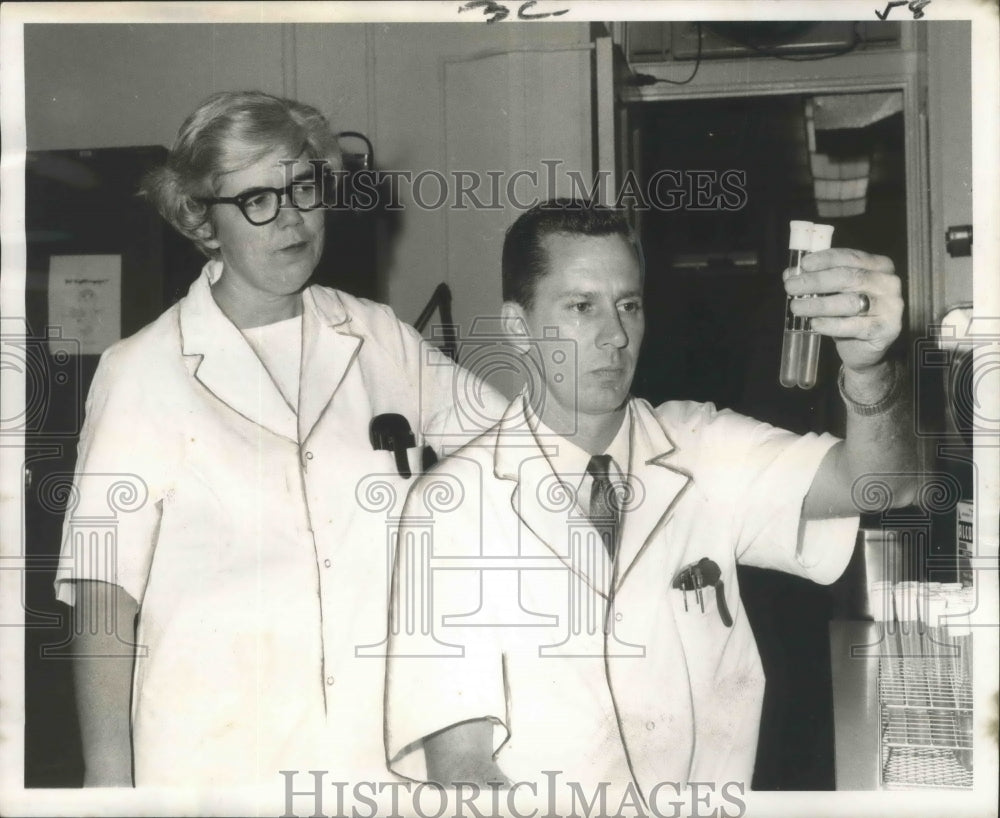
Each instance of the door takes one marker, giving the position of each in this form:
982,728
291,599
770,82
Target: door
100,265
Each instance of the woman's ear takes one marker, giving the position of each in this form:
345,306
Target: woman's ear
205,234
514,325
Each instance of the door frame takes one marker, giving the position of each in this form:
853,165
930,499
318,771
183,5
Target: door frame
901,70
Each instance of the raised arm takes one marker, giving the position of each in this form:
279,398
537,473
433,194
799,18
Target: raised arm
860,306
102,673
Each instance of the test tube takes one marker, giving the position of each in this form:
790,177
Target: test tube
960,631
939,647
882,613
881,602
800,344
822,236
799,241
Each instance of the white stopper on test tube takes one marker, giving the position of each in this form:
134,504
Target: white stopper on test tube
822,237
800,235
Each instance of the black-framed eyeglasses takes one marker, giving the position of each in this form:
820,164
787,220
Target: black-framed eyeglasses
261,205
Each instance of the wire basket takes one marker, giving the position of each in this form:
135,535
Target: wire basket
925,713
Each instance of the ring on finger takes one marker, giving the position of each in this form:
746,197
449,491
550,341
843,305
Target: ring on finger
864,304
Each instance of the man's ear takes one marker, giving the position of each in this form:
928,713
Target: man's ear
514,325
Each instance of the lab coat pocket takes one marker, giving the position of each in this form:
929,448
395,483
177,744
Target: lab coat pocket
702,608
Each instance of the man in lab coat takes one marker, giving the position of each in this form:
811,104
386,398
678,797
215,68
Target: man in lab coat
578,624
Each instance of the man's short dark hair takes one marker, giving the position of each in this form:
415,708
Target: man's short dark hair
524,257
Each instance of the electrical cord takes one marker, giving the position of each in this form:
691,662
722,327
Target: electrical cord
648,79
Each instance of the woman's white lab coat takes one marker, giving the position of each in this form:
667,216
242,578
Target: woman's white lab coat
256,542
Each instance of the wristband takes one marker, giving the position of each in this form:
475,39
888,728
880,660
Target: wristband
879,407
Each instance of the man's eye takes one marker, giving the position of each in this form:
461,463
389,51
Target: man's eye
630,306
580,306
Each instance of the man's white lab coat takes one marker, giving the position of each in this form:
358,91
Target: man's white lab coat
517,590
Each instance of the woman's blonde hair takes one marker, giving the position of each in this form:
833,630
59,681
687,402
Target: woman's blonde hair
229,131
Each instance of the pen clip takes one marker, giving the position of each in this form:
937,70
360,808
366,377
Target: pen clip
695,577
391,432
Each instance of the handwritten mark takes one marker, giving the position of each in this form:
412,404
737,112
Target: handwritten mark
495,12
522,12
916,7
498,10
883,14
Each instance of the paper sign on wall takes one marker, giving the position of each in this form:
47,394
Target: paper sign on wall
85,299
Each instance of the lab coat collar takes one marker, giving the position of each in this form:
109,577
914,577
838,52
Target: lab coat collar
328,351
544,505
221,359
549,510
655,487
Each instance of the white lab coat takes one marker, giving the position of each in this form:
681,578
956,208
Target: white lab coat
678,698
256,542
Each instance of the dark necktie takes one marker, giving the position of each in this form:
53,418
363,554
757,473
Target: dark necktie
603,508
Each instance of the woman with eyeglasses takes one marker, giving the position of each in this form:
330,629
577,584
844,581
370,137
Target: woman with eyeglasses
229,621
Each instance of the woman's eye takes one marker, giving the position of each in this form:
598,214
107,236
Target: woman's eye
256,202
305,191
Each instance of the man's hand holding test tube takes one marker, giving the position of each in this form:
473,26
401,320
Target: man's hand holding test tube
857,301
855,298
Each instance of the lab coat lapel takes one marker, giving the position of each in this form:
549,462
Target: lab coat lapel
328,351
656,488
543,507
220,358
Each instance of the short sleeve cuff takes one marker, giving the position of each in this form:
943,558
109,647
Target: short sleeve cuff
825,547
408,760
101,553
86,556
818,550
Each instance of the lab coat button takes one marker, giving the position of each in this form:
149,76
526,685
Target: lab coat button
619,617
309,455
329,680
327,563
650,725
